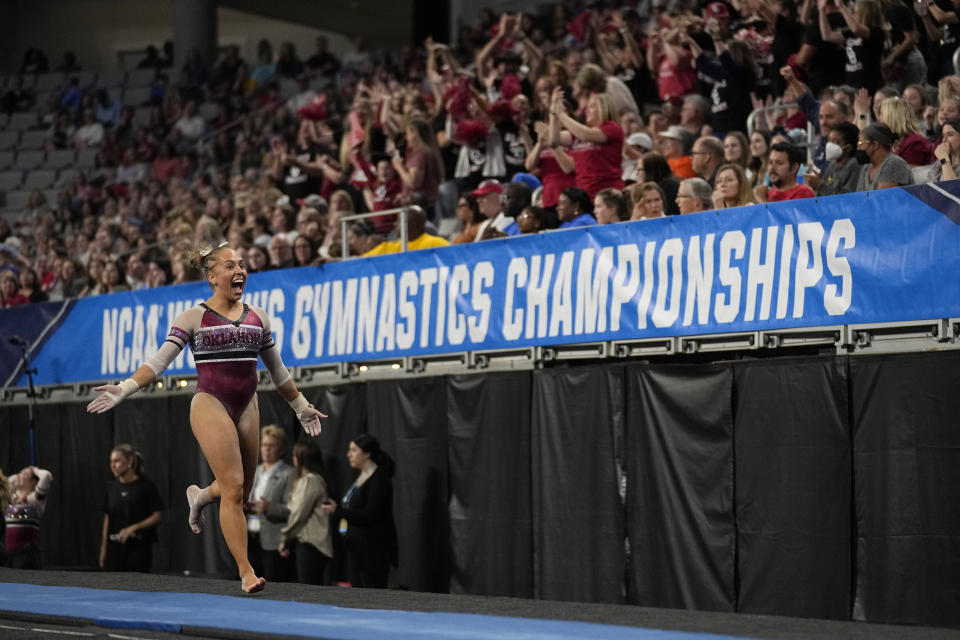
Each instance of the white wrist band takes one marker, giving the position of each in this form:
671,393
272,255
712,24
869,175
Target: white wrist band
298,404
127,387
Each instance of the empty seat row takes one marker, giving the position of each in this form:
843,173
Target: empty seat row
28,181
17,201
58,80
59,159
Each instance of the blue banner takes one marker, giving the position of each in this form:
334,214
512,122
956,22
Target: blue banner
858,258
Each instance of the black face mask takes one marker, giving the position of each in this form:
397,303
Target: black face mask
861,157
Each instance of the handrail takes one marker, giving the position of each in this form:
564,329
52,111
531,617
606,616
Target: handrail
236,121
400,211
771,108
789,105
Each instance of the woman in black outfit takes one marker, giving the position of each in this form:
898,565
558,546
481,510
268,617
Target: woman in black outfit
132,509
366,515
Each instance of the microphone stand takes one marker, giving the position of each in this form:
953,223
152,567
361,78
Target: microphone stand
32,397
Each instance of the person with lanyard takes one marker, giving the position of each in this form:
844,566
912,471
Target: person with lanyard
365,515
24,514
132,509
267,511
226,337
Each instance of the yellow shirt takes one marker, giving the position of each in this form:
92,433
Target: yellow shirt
424,241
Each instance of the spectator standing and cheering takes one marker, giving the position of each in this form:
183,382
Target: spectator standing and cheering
24,515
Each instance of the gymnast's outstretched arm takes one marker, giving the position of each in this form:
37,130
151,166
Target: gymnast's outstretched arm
113,394
307,414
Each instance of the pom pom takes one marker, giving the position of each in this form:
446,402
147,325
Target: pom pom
471,132
316,110
510,86
457,97
578,26
501,110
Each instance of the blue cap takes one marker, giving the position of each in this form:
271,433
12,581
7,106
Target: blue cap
528,179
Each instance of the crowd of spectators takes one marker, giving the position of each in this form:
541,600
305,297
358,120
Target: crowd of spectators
578,115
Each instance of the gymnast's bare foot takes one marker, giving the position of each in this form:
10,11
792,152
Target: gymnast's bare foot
196,514
252,584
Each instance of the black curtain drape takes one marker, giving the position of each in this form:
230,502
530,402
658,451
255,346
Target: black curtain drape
491,535
578,515
819,486
793,487
347,407
409,418
79,481
17,442
680,486
147,426
49,452
906,441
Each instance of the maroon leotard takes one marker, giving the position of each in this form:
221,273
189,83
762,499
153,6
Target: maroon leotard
226,353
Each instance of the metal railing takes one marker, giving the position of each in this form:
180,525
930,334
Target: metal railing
346,220
780,107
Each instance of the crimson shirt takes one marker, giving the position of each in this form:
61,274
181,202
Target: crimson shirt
597,165
554,179
798,192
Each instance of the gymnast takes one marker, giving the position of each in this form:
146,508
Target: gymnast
226,337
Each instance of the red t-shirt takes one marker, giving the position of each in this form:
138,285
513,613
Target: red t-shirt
597,165
675,81
915,150
428,181
798,192
386,195
553,178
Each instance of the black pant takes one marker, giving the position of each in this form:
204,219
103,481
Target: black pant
25,559
311,564
129,556
367,564
277,568
254,552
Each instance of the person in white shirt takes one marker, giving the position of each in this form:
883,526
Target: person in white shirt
90,134
131,171
190,124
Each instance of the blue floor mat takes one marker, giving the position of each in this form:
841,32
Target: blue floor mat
257,614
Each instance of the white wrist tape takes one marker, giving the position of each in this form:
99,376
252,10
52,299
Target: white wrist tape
298,404
127,387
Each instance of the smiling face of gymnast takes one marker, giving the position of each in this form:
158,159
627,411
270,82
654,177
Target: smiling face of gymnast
228,275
